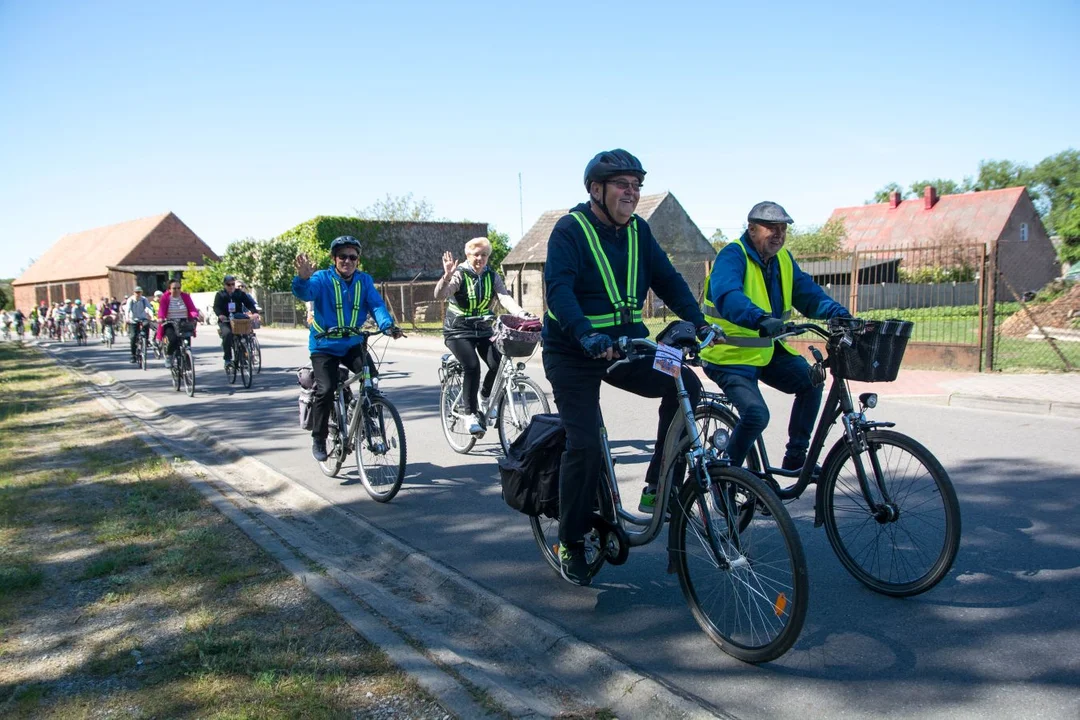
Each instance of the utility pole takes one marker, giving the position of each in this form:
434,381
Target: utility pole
521,208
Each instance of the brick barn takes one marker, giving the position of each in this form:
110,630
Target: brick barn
110,261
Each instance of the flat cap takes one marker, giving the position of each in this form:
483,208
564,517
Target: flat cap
768,212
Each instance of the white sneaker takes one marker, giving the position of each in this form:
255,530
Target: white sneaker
475,427
492,413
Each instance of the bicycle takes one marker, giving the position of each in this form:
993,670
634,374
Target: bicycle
878,491
744,579
80,332
182,363
367,424
141,343
516,396
108,333
241,355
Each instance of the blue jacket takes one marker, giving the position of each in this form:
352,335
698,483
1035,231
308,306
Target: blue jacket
574,287
320,289
726,293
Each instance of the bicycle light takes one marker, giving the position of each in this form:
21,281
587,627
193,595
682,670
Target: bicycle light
720,439
868,400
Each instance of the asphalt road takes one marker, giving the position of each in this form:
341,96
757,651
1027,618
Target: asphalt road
999,637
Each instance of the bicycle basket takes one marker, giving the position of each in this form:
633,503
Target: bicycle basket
875,351
184,328
240,326
517,337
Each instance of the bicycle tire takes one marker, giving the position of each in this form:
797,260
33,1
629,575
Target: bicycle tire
230,368
889,559
380,435
710,416
334,454
546,534
244,361
187,370
747,588
256,354
454,430
529,399
143,362
174,371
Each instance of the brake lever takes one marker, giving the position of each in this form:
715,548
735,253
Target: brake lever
626,348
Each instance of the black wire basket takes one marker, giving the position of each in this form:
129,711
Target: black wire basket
872,353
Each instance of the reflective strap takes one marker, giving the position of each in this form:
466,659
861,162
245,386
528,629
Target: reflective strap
456,308
338,303
603,321
604,266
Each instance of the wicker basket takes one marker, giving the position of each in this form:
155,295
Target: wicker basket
517,337
875,352
240,326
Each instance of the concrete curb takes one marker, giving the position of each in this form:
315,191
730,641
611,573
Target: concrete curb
397,596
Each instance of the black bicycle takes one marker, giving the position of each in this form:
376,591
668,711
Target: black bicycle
365,423
241,362
182,367
888,506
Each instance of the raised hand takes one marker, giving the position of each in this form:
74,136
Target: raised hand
304,268
449,263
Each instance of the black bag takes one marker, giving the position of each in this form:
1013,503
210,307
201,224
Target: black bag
530,471
305,402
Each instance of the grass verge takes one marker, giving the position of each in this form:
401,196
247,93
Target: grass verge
122,593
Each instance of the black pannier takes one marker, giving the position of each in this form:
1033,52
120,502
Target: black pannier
530,471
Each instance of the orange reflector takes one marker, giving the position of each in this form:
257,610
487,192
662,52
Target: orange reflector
780,605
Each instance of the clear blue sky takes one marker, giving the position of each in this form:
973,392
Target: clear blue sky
246,118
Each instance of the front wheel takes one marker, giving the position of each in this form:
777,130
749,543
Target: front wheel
243,359
188,371
522,399
455,426
335,449
909,542
380,448
745,582
142,352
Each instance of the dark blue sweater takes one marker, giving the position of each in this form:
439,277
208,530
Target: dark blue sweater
574,288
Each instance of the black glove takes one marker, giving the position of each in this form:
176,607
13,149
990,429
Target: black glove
770,326
393,331
596,345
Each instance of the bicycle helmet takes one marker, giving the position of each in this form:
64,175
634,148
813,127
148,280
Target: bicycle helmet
344,241
610,163
78,302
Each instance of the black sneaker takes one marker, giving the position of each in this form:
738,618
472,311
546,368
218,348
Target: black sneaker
796,463
318,449
572,564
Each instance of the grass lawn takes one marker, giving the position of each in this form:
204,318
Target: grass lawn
124,594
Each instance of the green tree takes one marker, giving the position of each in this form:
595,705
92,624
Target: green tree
7,301
1057,178
208,278
1000,174
942,185
719,240
882,195
826,239
500,248
402,208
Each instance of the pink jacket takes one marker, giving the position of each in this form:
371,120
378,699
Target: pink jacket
163,310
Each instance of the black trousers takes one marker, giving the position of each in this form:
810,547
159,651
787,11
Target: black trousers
466,349
225,332
133,331
325,369
575,381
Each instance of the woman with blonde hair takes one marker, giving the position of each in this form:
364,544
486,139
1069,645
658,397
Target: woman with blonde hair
471,289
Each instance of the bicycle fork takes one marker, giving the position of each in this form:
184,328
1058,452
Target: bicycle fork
855,428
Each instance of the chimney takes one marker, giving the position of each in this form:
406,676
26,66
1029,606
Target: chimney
894,200
929,197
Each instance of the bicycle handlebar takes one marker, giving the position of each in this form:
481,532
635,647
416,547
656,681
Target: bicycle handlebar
835,325
351,331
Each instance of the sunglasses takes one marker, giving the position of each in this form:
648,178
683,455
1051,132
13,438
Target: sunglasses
348,258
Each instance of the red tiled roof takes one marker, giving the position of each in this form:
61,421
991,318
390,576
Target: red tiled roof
89,253
978,216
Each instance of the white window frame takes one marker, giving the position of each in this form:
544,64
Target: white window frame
1023,232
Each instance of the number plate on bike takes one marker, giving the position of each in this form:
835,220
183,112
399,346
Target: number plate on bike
668,360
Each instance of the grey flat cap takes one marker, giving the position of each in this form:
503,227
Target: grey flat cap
768,212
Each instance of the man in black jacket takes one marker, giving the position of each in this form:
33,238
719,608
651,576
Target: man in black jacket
230,300
601,262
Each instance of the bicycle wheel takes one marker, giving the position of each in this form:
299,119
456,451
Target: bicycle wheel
911,552
230,367
335,451
747,587
546,534
243,359
256,353
711,416
522,399
187,371
454,426
380,448
174,371
142,352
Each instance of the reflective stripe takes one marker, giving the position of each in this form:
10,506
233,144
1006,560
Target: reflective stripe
626,309
480,294
339,306
745,346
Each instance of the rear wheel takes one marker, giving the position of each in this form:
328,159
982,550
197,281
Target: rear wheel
455,426
188,370
546,534
256,353
746,583
334,450
380,449
910,543
522,399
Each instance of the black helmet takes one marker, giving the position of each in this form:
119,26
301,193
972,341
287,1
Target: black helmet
611,163
344,241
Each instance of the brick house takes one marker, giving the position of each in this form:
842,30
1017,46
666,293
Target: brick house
1003,219
685,245
110,261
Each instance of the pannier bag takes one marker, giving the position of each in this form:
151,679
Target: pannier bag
306,377
874,353
530,470
517,337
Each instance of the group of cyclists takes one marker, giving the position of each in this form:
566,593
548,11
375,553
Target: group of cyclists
602,260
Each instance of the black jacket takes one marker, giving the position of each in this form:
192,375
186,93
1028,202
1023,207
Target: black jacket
239,297
574,287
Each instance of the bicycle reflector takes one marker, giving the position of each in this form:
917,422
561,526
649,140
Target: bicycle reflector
720,439
868,400
780,605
